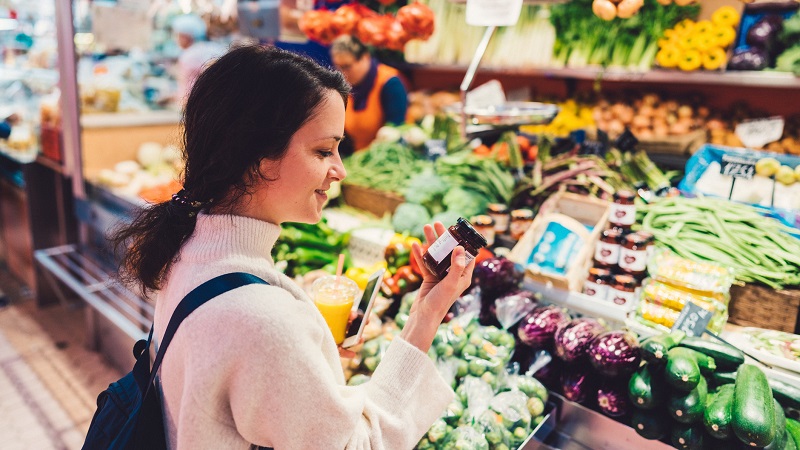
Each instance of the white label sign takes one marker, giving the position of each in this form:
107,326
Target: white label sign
760,132
493,13
488,94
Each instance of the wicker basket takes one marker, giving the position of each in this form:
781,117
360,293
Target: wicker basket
764,307
372,200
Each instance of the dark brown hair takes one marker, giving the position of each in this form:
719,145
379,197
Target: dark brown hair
243,108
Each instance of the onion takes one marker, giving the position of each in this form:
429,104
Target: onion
627,8
641,121
604,9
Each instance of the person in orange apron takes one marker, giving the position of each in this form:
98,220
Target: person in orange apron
379,96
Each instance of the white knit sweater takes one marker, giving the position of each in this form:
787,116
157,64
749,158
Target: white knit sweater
257,365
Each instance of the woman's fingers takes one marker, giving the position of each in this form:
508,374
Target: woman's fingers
430,234
416,253
439,228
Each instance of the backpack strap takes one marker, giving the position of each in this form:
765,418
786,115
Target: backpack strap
193,300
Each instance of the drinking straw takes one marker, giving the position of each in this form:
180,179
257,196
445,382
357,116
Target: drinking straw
339,268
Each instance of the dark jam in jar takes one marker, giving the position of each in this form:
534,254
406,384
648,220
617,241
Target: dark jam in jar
521,220
437,258
622,290
623,210
633,254
484,225
606,252
499,213
650,242
596,284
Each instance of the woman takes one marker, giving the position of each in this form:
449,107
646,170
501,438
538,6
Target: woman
378,96
258,365
196,51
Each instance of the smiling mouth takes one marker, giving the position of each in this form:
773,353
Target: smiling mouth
321,192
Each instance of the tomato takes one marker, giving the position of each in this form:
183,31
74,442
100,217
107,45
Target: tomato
533,153
417,19
524,143
483,254
413,261
316,24
482,150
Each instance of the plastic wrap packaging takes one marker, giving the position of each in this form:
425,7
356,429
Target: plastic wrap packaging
701,277
512,406
511,308
662,303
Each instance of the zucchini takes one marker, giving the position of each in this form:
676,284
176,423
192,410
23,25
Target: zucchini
787,395
727,358
717,379
646,388
790,443
688,408
753,414
655,348
780,429
793,429
650,424
682,371
717,416
687,437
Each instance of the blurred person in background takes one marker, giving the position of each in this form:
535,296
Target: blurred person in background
6,124
190,34
379,96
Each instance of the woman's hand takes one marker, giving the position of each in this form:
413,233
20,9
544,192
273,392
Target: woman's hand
435,296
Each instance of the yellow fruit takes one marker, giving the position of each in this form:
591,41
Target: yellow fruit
703,26
690,60
724,35
668,57
714,58
785,175
766,167
726,16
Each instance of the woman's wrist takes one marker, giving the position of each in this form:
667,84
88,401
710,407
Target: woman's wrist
420,331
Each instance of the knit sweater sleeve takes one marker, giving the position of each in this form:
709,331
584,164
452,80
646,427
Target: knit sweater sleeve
284,393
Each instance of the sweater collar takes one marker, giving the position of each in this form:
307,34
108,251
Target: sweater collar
218,235
361,90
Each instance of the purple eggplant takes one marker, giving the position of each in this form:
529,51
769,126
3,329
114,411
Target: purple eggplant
750,59
572,339
615,353
764,34
538,328
612,399
496,277
578,384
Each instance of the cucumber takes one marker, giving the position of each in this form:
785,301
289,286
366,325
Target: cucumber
687,437
682,371
780,429
722,378
727,358
646,388
753,414
793,429
787,395
688,408
790,443
650,424
717,416
655,348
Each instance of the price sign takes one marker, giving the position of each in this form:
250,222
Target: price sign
760,132
738,167
693,320
493,13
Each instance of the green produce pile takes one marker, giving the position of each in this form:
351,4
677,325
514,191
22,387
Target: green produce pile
789,60
385,166
306,247
757,248
583,39
700,394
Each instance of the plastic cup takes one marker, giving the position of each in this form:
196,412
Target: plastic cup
335,301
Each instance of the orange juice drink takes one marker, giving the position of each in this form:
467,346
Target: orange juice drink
335,301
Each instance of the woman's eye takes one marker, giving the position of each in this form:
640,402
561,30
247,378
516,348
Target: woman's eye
325,153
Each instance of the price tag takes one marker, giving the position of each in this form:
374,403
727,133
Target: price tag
738,167
760,132
693,320
493,13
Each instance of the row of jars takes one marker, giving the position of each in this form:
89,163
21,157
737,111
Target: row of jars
500,220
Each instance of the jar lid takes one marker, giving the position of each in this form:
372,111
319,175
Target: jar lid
636,239
497,208
472,236
625,281
599,273
613,233
648,236
624,194
483,220
522,214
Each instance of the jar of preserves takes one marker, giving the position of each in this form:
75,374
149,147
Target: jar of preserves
437,258
606,252
650,242
633,254
521,220
622,290
623,210
499,213
596,284
484,224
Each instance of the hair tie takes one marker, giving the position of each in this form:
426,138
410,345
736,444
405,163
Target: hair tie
182,206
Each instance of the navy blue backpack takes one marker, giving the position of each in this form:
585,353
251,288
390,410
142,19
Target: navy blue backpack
129,414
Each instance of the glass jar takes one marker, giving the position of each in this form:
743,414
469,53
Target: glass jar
650,242
596,284
606,252
437,258
521,220
623,210
499,213
484,224
622,290
633,254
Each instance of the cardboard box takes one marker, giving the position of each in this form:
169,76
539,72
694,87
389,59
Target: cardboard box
589,211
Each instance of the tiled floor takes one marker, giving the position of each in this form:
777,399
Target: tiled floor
48,379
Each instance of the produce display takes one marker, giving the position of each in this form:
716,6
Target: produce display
691,45
152,176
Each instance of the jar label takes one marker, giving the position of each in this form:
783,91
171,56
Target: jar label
632,260
623,214
519,227
606,253
621,298
500,222
593,289
443,246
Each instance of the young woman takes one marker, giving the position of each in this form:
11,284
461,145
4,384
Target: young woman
379,96
258,365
